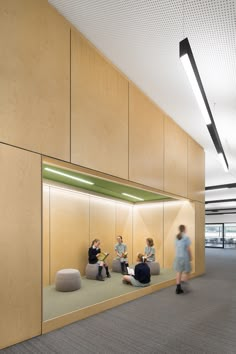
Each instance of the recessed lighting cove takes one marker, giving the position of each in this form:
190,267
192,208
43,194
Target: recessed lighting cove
68,176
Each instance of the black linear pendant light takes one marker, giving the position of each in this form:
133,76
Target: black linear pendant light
188,61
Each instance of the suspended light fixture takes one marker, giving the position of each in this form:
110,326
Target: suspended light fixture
189,64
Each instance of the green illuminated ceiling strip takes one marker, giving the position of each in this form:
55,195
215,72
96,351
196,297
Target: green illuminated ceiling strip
99,186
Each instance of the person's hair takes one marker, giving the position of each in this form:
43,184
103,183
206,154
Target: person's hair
181,230
141,257
120,237
94,241
150,241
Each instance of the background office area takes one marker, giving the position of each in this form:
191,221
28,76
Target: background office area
65,105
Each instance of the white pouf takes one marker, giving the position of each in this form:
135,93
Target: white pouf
154,268
68,280
116,267
91,271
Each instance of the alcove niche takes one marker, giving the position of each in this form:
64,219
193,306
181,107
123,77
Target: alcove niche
80,205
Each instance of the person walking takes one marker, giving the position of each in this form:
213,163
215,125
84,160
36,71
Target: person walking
183,258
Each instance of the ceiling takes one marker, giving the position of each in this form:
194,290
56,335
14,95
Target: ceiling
141,37
100,186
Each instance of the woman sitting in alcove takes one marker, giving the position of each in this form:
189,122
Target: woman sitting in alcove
149,250
94,253
122,254
142,274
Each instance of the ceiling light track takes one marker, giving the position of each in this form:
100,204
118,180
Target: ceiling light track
219,210
220,201
226,213
188,61
221,186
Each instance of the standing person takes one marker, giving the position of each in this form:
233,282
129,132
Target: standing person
121,254
142,274
149,250
93,254
183,257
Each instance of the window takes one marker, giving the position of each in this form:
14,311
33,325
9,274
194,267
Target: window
214,235
230,235
220,235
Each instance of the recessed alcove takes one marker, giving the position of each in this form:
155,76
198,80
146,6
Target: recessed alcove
75,212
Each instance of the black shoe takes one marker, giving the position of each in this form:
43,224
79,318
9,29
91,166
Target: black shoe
179,291
99,277
108,275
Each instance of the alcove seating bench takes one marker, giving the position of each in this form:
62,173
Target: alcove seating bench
68,280
116,267
91,271
154,268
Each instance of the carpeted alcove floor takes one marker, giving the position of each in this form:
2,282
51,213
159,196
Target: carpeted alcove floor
57,303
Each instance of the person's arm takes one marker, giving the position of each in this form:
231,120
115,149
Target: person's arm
189,253
145,252
151,253
117,253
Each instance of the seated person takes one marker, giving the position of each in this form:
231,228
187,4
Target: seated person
93,254
149,250
121,254
142,276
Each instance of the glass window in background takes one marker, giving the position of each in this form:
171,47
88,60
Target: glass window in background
214,235
230,236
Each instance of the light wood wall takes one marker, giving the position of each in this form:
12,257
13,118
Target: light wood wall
46,235
200,237
72,221
91,112
99,111
146,140
196,171
124,227
20,245
80,116
35,77
102,224
69,230
175,158
148,222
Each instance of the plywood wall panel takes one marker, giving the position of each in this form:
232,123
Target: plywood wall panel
46,236
175,158
35,78
99,111
69,231
175,214
102,224
123,227
148,222
20,245
196,171
200,238
146,140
